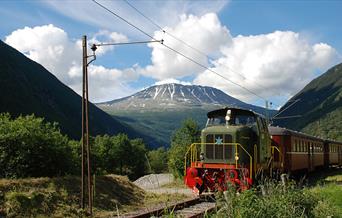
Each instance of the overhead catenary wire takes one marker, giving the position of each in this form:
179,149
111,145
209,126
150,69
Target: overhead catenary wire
174,50
187,44
128,43
203,66
163,30
123,19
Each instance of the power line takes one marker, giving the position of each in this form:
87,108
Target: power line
203,66
275,117
128,43
187,44
123,19
179,53
163,30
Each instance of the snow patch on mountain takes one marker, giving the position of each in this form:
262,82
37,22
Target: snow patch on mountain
176,96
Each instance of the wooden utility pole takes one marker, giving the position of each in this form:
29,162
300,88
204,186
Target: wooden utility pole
85,121
85,132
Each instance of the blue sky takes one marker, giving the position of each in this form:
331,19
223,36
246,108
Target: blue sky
273,48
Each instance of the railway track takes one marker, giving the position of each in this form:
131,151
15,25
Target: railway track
191,208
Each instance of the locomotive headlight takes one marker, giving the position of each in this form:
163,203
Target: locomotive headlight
236,157
229,112
201,156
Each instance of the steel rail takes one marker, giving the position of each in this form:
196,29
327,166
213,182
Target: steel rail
176,208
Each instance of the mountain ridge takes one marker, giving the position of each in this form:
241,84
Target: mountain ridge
173,96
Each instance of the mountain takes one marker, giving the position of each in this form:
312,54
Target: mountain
176,97
319,106
159,110
26,87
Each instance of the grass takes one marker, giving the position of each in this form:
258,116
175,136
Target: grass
177,183
60,197
277,200
329,195
336,178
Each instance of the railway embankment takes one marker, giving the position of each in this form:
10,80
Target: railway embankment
60,197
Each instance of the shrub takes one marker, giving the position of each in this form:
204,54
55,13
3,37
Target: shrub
278,201
29,204
30,147
180,142
118,154
158,160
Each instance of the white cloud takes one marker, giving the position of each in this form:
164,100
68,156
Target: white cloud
204,33
269,65
108,37
273,64
170,80
51,47
278,63
164,13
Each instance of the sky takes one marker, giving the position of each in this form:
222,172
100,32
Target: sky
252,50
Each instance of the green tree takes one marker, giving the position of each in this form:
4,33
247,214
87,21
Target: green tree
118,154
182,138
138,164
158,160
30,147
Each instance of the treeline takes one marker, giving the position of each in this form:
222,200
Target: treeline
31,147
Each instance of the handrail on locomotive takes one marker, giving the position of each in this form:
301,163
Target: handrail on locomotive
194,155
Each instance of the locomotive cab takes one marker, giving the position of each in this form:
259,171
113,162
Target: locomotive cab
230,126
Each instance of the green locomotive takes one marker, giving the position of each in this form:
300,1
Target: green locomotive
235,148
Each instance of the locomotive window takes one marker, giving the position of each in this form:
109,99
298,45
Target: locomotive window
216,121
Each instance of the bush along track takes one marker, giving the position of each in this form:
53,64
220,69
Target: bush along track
272,199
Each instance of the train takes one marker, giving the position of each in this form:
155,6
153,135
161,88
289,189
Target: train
238,148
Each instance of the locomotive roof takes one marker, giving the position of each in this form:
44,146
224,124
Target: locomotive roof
275,130
223,112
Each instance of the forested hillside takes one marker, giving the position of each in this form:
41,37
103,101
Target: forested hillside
27,88
319,106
